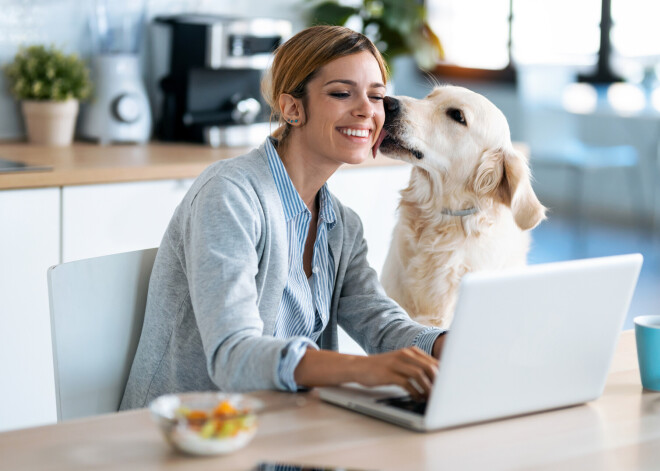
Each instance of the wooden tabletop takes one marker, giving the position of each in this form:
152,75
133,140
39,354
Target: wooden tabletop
620,430
86,163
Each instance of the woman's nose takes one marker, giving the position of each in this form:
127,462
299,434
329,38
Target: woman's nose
365,108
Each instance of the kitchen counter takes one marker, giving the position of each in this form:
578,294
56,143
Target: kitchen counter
87,163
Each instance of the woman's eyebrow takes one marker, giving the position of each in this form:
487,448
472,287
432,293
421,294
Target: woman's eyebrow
353,84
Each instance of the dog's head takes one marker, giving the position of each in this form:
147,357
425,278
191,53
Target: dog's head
463,139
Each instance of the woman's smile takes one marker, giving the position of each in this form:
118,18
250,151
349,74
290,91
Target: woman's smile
357,134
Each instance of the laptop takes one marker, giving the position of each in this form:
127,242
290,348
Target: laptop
525,340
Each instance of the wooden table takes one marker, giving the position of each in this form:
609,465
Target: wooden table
620,430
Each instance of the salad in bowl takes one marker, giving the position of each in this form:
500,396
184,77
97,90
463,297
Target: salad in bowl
206,423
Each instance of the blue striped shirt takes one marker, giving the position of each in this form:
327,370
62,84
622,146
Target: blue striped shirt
305,307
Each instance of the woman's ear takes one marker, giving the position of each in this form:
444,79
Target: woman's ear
291,109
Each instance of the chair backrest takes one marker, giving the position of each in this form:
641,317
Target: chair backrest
96,312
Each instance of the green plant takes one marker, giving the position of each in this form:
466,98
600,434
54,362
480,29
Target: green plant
40,73
397,27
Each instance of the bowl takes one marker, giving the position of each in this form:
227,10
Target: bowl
206,423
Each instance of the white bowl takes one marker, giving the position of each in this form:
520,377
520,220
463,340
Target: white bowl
165,410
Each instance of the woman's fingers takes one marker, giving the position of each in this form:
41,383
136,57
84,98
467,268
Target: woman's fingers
409,368
428,363
411,388
417,377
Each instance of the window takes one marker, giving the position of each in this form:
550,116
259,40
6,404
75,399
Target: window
543,33
491,35
464,25
635,38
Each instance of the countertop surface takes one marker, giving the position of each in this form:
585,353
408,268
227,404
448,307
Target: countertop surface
87,163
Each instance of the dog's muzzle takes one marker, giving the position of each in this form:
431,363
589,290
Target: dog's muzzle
391,138
392,108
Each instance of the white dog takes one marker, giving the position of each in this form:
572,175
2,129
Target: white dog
468,205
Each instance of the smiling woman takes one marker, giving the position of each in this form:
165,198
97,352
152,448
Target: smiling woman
261,263
348,113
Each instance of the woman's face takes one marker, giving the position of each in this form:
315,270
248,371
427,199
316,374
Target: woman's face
344,109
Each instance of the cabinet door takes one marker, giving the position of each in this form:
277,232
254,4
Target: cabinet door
373,193
29,244
120,217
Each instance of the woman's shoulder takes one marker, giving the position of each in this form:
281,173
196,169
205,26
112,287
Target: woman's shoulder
247,173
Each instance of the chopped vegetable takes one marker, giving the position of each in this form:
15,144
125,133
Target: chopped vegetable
223,421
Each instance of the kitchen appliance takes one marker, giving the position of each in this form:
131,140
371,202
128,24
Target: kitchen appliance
209,70
119,110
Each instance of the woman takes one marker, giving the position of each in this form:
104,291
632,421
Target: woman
260,263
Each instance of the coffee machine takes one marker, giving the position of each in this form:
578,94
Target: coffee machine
209,69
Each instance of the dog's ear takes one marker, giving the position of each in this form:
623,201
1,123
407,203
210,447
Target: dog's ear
504,175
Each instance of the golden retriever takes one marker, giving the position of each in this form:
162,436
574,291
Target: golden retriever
469,203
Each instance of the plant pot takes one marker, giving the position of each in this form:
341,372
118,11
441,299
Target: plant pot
50,123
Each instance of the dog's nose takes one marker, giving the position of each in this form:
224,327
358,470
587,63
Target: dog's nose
391,108
391,104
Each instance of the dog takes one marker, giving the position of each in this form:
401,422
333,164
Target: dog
469,204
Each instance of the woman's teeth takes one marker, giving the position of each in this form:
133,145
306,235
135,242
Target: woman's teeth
356,132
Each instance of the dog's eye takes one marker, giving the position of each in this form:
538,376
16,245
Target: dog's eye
456,115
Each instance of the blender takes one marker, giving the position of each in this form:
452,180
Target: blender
119,110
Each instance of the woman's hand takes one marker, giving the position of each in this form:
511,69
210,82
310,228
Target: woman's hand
410,368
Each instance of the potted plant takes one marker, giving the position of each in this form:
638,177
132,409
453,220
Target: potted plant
49,85
396,27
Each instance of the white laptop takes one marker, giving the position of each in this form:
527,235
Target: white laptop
525,340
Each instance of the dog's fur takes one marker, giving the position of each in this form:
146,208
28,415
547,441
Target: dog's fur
456,166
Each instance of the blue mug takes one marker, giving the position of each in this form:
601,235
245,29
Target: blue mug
647,337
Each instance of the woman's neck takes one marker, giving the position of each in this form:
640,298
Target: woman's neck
307,174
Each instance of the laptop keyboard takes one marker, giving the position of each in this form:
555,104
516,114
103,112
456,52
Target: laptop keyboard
405,403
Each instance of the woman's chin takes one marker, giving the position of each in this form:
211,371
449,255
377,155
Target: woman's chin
355,158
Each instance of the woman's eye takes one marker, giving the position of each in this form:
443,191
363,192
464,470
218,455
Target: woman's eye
377,98
456,115
340,94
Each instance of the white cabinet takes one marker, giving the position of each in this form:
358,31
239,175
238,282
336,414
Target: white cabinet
40,228
373,193
119,217
29,244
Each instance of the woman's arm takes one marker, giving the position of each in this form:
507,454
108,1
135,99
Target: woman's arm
364,310
438,345
221,262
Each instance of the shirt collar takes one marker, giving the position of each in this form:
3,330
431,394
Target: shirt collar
291,200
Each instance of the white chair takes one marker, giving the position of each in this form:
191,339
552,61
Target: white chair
96,309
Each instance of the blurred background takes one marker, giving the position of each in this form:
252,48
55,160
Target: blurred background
577,80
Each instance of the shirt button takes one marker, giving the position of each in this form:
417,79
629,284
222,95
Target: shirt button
315,270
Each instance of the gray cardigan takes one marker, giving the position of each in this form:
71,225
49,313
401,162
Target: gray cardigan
218,280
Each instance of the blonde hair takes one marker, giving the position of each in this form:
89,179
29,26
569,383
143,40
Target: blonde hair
297,61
